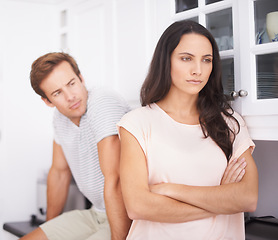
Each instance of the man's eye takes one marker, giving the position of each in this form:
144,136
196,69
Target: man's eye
56,94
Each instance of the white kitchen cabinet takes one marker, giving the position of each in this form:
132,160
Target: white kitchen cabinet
258,74
84,34
249,59
108,40
113,40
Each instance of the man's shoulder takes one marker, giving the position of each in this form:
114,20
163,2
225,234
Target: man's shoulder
99,98
102,94
57,115
60,119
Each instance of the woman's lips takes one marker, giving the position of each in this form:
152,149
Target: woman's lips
194,81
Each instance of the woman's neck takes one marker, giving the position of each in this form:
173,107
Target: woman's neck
182,109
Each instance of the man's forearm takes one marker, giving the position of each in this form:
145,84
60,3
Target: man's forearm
116,212
57,191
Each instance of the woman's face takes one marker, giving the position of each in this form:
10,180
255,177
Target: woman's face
191,64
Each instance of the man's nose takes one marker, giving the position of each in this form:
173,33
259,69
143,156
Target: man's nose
69,96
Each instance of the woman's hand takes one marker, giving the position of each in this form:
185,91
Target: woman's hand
243,175
234,171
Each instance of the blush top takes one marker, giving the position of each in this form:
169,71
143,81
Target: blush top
179,153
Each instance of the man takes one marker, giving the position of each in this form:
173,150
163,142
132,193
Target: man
86,146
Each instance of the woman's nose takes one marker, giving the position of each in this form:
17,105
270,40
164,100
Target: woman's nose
196,69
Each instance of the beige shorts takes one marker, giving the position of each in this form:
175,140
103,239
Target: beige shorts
78,225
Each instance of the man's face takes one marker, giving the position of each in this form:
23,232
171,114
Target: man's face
66,91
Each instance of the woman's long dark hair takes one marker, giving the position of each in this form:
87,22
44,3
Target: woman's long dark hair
212,103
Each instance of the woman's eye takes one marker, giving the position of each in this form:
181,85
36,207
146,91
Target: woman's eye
208,60
185,58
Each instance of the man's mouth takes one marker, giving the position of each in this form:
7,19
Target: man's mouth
76,105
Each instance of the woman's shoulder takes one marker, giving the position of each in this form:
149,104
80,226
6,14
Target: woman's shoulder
235,120
238,117
139,113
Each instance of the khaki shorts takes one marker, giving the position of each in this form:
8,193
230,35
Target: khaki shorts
78,225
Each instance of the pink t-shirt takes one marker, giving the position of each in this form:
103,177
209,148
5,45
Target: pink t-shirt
179,153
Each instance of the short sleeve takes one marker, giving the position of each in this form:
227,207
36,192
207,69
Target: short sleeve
55,127
133,123
106,109
243,140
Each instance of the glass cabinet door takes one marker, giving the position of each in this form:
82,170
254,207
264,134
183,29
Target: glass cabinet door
266,21
183,5
267,76
266,33
259,58
228,78
220,24
212,1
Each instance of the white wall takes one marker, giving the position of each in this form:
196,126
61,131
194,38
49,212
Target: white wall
28,30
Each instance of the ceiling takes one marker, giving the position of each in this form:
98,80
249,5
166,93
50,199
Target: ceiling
40,1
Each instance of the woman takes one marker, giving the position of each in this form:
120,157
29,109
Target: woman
186,166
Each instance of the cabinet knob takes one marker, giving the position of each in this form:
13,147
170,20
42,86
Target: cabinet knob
242,93
234,94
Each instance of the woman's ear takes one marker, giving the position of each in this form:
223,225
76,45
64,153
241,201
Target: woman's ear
47,102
